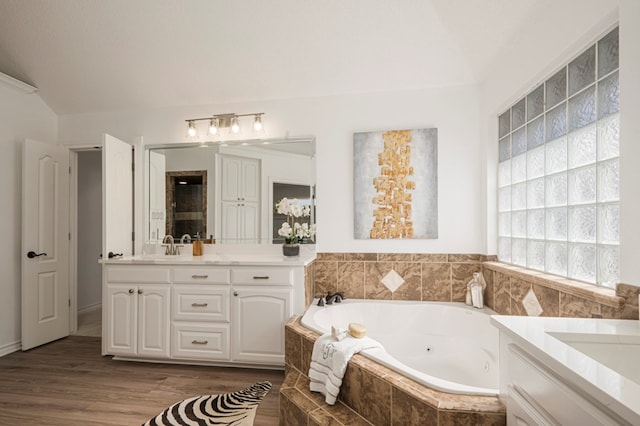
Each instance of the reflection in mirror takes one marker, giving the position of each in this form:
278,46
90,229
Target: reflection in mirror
241,182
186,203
305,195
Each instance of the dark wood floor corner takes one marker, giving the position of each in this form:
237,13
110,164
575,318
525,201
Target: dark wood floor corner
69,383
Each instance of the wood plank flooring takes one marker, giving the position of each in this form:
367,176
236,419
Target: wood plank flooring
69,383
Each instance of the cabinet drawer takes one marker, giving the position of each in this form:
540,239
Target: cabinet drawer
201,275
200,341
257,276
192,303
138,274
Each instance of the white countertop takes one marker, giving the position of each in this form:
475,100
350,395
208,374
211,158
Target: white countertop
219,254
563,344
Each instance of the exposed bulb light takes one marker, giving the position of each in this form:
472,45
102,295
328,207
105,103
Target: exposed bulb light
224,125
213,126
191,130
235,125
257,123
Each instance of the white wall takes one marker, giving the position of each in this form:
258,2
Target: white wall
629,141
333,120
546,43
21,116
89,228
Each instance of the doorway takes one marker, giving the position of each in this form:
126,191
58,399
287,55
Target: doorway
88,241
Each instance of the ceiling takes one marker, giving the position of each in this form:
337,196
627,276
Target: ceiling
89,56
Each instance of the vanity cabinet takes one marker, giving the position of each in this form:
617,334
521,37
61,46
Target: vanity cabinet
200,321
217,314
137,315
536,394
259,313
240,199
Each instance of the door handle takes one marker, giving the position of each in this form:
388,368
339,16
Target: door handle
112,255
33,254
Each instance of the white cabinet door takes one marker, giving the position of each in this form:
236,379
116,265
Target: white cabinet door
240,215
259,316
250,170
122,319
231,175
231,219
249,223
138,320
153,320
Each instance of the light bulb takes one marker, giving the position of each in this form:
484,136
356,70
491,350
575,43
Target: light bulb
191,131
235,126
257,124
213,126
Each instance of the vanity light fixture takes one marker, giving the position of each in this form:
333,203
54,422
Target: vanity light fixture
214,124
235,125
191,129
257,123
218,122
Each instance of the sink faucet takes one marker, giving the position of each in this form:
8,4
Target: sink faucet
172,249
186,237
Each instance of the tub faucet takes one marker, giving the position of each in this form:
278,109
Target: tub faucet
171,248
185,237
334,297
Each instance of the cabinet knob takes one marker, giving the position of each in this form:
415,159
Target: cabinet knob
131,291
139,291
235,293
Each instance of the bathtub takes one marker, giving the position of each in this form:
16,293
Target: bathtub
449,347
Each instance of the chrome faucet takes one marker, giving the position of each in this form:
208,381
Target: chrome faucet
172,249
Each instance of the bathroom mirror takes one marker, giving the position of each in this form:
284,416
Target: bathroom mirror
226,191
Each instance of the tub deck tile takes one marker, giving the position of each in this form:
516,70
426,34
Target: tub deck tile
407,410
459,418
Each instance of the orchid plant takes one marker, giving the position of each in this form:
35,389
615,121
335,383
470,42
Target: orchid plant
292,231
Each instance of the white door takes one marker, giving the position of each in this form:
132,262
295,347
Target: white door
117,197
45,243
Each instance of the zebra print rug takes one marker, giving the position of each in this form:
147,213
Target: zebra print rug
236,408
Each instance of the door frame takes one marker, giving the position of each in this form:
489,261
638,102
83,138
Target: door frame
73,229
138,205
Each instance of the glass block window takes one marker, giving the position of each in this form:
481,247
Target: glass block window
559,171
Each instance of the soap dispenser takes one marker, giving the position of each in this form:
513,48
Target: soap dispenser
198,246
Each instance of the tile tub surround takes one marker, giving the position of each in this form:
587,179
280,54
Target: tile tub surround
436,277
444,277
507,285
372,394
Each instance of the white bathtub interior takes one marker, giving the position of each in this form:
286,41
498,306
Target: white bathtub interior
447,346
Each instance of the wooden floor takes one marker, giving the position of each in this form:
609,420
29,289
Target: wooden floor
69,383
90,323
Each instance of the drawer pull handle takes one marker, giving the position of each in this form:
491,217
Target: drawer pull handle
199,305
199,276
199,342
261,277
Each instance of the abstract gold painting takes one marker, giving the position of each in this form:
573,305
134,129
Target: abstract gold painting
396,184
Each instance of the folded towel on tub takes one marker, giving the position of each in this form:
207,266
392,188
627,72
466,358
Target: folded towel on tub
329,361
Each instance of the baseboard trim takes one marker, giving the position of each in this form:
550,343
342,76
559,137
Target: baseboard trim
90,308
10,348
